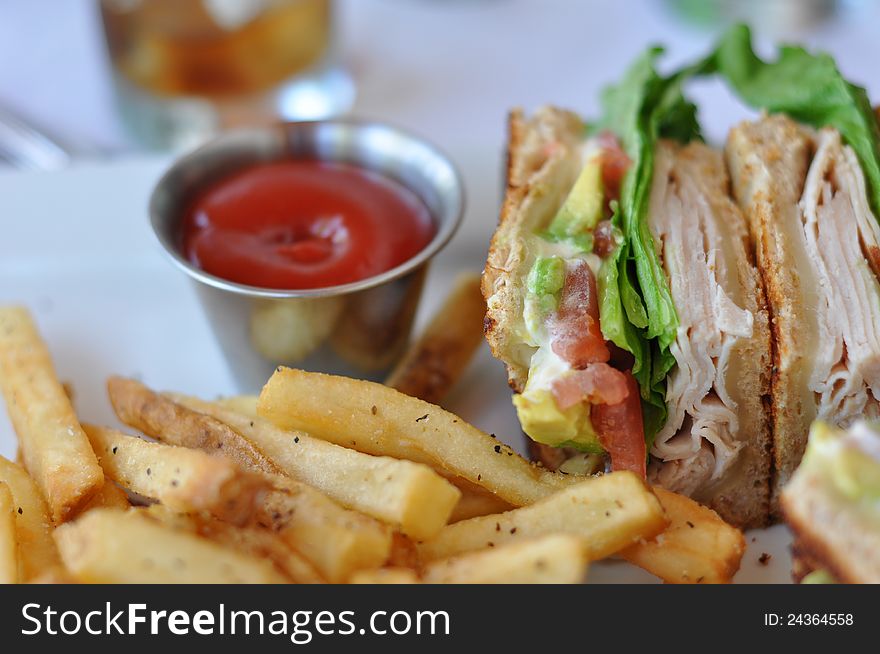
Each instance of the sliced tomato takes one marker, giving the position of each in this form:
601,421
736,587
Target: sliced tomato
604,242
598,383
615,163
621,431
574,327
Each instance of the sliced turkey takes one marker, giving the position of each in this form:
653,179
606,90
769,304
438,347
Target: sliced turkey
842,238
701,240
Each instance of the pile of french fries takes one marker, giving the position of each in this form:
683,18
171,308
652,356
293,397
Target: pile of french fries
320,479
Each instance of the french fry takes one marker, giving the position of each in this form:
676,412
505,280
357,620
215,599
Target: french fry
55,449
385,576
243,404
252,540
697,546
403,552
56,575
608,513
553,559
261,543
185,480
165,420
110,496
407,495
37,552
435,361
8,541
336,541
476,503
379,420
114,546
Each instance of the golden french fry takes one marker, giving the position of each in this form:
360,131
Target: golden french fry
8,540
379,420
385,576
697,546
608,513
114,546
261,543
476,503
552,559
403,552
162,419
407,495
33,527
55,449
110,496
185,480
243,404
435,361
336,541
252,540
56,575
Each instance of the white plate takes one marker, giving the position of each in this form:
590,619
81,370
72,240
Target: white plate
75,247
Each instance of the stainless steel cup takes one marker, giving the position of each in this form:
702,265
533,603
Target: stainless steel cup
358,329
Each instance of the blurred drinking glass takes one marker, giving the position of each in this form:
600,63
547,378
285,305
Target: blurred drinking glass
185,69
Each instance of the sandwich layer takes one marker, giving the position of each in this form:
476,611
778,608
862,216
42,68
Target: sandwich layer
715,443
816,244
831,506
544,157
843,239
768,162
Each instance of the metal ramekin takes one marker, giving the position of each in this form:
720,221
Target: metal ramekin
358,329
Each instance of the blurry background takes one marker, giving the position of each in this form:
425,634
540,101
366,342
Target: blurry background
448,69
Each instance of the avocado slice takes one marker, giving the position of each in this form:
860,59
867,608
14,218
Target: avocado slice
854,473
582,209
819,577
545,423
546,280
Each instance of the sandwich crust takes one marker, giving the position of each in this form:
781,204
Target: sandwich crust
768,162
830,533
543,161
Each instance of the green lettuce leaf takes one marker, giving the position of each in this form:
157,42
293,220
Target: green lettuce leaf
637,312
806,86
644,107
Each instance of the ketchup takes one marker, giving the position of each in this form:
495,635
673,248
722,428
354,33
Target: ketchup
304,224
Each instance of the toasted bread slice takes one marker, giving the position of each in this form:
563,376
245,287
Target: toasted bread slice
830,532
543,161
768,162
